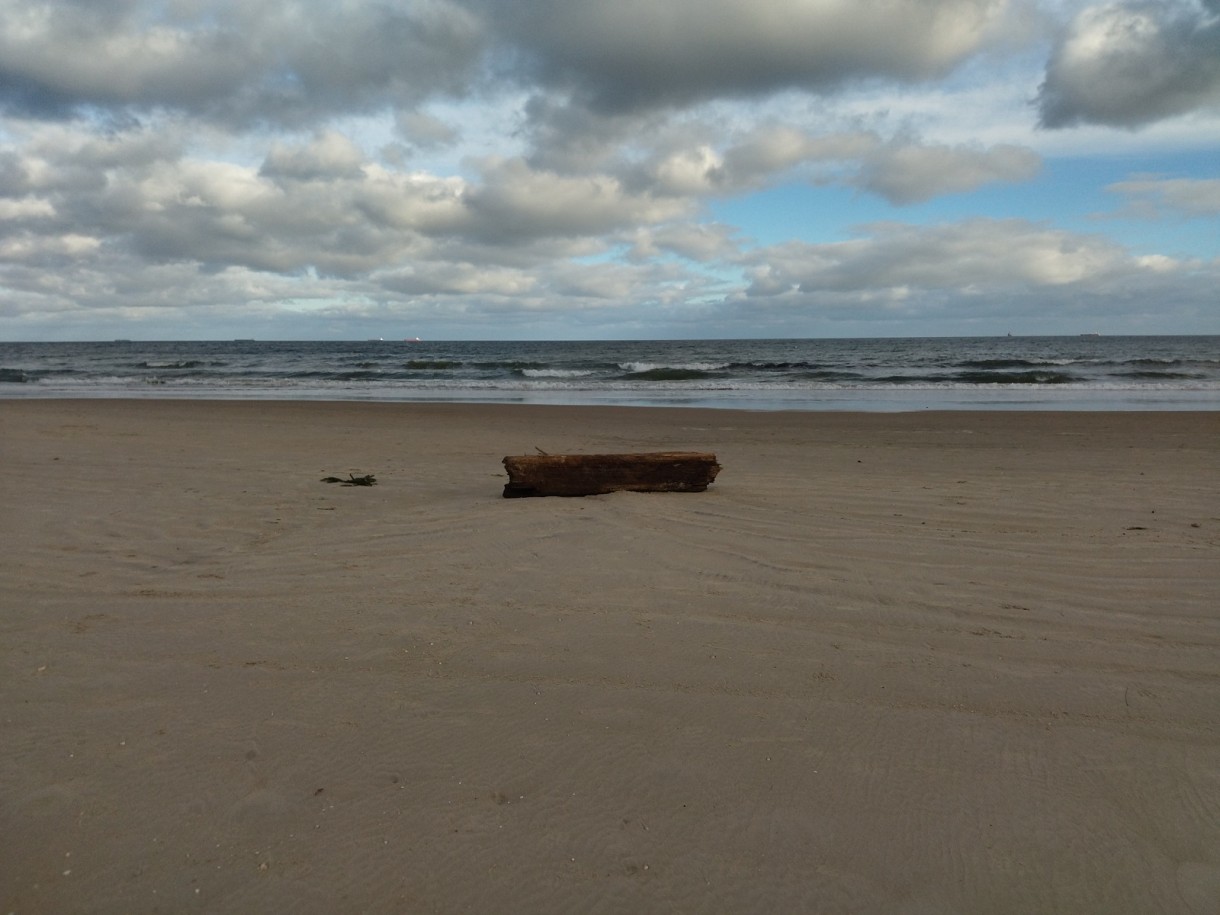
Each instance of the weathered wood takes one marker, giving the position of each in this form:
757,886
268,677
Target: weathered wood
595,474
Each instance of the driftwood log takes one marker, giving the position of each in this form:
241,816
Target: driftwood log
594,474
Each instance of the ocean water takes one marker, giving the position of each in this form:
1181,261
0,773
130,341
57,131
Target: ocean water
1061,373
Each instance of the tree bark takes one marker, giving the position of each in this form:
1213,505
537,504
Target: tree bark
595,474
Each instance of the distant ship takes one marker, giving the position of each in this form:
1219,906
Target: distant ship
1091,334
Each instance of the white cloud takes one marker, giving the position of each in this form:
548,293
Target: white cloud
702,242
688,172
330,155
1150,195
13,211
517,202
41,250
772,150
138,211
975,257
460,279
910,173
900,170
960,275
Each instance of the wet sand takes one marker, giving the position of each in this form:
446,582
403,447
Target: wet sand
920,662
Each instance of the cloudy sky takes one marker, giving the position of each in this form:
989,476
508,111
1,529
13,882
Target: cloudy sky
556,169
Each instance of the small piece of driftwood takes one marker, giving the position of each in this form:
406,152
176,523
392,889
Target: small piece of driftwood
596,474
366,480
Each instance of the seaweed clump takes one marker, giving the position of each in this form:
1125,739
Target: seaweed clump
352,480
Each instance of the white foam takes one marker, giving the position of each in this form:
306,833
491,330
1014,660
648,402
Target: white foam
556,373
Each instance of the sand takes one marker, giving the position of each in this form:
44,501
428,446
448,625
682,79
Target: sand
922,663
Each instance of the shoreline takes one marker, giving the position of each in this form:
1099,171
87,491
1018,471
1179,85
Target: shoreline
854,401
892,374
936,660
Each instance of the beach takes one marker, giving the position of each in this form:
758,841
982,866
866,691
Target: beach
920,662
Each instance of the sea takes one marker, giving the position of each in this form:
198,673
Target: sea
1087,372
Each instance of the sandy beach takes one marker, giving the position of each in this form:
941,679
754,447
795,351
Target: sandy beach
935,662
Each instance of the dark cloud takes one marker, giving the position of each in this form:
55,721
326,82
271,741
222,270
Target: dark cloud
571,139
296,62
640,54
14,176
232,62
1127,65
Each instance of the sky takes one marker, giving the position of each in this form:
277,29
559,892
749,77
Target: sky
587,169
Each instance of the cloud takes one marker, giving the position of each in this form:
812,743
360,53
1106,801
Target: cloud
291,62
976,257
331,155
771,150
902,171
1131,64
145,197
517,202
702,242
459,279
230,61
912,173
1191,197
977,273
571,139
425,131
71,201
321,219
639,54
